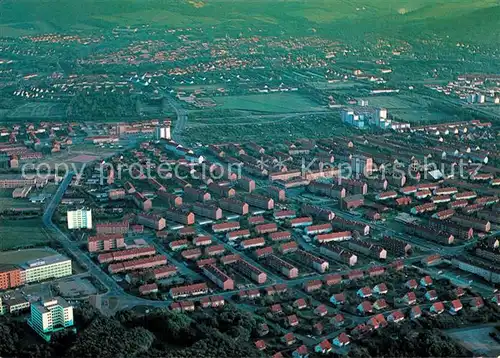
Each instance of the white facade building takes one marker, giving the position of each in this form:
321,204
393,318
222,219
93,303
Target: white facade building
50,316
79,219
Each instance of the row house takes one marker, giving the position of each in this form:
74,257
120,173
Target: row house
351,225
234,206
127,254
250,271
112,228
155,222
142,263
105,242
189,290
333,236
260,201
339,254
225,227
170,199
207,210
368,249
192,194
317,263
282,266
317,212
218,277
181,215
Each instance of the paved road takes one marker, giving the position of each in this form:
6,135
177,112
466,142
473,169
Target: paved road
180,123
113,289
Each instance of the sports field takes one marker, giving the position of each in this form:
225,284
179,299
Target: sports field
270,103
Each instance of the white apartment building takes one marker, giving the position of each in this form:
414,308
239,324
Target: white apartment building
79,219
50,316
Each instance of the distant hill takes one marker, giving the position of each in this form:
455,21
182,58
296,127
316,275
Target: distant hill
469,20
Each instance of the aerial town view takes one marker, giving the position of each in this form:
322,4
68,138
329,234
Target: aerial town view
265,178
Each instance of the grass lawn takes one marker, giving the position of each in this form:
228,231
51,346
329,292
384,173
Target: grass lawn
274,103
21,256
21,233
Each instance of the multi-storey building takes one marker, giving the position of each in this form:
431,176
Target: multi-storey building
317,263
169,198
234,206
218,277
250,271
49,267
10,277
339,254
180,215
155,222
105,242
50,316
112,228
79,219
192,194
282,266
260,201
210,211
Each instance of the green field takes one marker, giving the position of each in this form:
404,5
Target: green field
21,233
38,110
271,103
6,202
335,18
21,256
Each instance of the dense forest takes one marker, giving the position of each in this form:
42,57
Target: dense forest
160,333
226,332
98,106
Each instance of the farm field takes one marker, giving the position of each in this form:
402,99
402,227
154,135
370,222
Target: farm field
274,103
21,233
6,201
477,340
21,256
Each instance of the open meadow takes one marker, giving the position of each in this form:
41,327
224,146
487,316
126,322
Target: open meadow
16,234
271,103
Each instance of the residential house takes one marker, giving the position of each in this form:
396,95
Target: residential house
300,303
437,308
431,295
455,306
380,304
396,317
260,345
365,307
410,298
301,352
415,312
292,320
321,310
289,339
338,299
324,347
426,281
380,289
341,340
364,292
